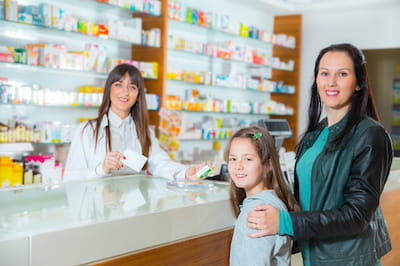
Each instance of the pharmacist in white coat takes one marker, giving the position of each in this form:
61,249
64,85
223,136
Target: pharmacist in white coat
119,141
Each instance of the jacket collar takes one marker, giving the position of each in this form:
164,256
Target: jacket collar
334,130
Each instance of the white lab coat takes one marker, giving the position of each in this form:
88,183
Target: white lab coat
85,162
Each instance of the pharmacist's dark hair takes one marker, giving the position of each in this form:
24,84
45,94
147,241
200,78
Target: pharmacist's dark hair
362,103
139,111
272,175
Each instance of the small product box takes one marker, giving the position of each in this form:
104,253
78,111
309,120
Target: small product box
7,54
1,10
203,171
44,15
32,53
11,10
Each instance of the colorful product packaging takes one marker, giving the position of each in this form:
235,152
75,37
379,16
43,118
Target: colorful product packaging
32,53
45,15
7,54
11,10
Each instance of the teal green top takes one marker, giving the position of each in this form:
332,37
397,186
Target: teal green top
303,170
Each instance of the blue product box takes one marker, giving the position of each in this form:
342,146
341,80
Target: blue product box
2,10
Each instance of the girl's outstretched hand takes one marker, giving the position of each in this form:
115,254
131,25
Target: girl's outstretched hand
264,218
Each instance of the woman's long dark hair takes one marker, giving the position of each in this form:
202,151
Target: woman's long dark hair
272,178
362,103
139,110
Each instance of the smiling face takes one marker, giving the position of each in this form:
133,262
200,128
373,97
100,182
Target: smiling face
123,96
336,82
245,166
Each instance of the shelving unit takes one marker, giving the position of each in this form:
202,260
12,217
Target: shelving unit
290,25
155,54
284,53
16,34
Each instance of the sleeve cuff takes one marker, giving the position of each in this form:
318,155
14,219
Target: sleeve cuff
99,170
285,223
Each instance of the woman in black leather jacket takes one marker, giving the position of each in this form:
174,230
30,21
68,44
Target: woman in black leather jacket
343,162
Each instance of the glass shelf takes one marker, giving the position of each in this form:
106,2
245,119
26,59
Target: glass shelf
65,71
56,106
225,87
105,7
201,139
26,67
226,113
218,59
182,25
17,27
51,106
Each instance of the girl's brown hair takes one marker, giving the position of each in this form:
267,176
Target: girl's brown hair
273,178
139,111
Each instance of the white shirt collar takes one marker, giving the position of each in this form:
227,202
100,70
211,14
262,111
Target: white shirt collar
116,121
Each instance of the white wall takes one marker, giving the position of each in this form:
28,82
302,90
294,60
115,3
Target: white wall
368,27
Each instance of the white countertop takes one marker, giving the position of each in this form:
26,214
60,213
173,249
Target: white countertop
86,221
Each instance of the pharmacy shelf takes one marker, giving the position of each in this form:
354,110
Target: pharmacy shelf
177,52
15,29
222,87
52,70
16,147
50,106
181,25
55,106
228,113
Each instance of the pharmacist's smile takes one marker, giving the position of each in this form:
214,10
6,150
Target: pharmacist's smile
124,100
332,92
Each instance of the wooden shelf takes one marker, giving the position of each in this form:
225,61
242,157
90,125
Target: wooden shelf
290,25
155,54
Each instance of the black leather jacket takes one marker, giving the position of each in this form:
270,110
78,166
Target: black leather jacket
345,225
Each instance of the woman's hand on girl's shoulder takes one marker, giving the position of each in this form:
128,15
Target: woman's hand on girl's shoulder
264,218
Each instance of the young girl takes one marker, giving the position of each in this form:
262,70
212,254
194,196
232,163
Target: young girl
343,162
255,178
121,132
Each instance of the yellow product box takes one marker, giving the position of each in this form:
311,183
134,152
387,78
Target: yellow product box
149,69
45,52
244,30
75,60
6,170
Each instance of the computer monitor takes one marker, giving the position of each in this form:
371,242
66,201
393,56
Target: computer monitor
278,128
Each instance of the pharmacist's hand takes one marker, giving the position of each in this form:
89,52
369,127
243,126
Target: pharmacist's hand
111,198
265,219
112,161
192,170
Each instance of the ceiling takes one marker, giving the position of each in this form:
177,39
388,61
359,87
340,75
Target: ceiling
297,6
